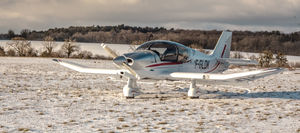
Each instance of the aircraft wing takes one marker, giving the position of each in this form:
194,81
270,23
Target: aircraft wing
238,61
208,76
84,69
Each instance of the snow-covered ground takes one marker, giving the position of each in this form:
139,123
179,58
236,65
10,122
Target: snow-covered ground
38,95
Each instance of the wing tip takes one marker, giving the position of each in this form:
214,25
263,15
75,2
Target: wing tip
275,69
56,60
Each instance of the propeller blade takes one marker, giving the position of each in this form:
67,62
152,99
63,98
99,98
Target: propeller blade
109,50
130,69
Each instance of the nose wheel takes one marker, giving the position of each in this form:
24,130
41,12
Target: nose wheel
129,88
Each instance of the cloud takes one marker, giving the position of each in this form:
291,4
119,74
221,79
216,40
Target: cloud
205,14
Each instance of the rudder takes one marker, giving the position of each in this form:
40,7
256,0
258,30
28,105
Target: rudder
222,49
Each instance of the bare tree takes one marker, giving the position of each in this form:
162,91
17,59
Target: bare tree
252,57
85,55
20,45
69,47
139,42
24,33
48,44
11,52
2,51
237,54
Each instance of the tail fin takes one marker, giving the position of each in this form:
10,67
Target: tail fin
222,49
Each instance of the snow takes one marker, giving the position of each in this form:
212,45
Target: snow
38,95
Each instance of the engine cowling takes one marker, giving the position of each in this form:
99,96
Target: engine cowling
138,59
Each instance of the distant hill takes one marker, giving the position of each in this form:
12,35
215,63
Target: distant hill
246,41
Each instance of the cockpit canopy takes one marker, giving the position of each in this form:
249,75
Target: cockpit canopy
167,50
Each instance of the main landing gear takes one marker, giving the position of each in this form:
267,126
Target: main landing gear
192,90
131,87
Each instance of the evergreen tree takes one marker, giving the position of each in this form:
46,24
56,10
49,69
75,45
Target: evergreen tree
281,60
10,34
266,59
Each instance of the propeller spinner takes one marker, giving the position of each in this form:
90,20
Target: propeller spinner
119,60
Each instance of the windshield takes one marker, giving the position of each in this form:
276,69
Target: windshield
144,46
167,51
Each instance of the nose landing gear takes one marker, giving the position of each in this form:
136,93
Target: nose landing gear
129,88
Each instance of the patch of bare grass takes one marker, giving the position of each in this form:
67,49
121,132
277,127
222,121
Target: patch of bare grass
121,119
23,129
162,123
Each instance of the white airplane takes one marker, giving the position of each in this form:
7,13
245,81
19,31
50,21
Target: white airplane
167,60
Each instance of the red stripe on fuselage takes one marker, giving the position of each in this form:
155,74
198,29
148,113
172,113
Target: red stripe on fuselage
164,64
218,62
213,68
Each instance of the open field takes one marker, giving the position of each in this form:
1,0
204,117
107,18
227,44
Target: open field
38,95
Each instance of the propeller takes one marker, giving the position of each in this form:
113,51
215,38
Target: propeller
109,50
130,69
115,57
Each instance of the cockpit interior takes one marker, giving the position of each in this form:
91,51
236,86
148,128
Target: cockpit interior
167,51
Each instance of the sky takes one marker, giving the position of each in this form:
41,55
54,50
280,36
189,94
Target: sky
252,15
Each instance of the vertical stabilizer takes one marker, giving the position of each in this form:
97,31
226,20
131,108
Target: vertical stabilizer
222,49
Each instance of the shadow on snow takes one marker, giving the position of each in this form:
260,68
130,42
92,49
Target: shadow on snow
293,95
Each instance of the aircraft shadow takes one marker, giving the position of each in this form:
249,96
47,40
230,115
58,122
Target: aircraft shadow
293,95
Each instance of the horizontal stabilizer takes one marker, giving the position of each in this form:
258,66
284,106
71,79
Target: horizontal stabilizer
238,61
221,76
84,69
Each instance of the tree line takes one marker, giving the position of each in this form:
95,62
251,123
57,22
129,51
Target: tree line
19,46
247,41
